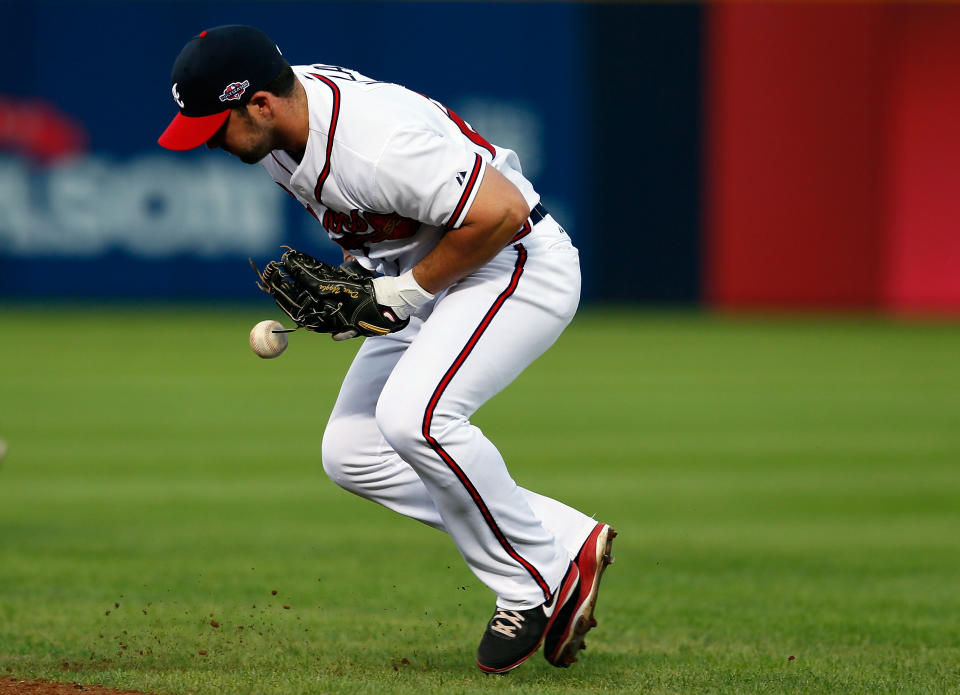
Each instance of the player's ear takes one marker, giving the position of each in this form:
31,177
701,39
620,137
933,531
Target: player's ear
262,105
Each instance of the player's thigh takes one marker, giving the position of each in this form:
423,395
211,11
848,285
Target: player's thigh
352,427
482,334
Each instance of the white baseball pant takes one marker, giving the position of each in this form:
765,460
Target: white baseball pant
400,433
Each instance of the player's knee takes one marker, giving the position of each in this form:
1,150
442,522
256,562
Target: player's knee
400,422
412,427
335,451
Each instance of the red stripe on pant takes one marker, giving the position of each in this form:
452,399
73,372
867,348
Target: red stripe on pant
524,230
442,453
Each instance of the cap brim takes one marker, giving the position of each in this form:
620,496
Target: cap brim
186,132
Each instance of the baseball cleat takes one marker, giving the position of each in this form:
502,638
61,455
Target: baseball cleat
512,637
576,619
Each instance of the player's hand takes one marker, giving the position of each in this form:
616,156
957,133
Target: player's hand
402,294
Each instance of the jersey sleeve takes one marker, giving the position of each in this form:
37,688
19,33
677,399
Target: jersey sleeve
428,176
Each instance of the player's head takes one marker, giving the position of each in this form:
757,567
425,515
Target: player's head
216,73
252,131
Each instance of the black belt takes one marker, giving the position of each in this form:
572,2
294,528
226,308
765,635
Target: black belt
537,214
536,217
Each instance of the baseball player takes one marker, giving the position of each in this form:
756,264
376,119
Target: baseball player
470,280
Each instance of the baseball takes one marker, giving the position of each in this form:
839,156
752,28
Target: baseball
264,342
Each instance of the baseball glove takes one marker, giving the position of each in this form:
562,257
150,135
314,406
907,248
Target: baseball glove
327,299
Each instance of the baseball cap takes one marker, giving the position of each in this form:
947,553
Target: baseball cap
219,69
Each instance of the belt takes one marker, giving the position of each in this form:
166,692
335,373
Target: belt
536,217
537,214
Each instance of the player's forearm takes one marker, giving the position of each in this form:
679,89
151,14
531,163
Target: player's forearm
497,213
461,251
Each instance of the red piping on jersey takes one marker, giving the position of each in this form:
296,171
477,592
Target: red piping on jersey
442,453
289,192
277,160
309,209
477,166
318,189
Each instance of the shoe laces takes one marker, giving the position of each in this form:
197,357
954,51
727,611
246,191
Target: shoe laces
506,622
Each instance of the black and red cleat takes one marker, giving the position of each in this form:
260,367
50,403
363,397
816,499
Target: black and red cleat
513,636
566,637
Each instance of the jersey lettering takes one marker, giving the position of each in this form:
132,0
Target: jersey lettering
356,229
465,128
472,135
339,73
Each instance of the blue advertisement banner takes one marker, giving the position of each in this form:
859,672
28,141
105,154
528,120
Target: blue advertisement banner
91,206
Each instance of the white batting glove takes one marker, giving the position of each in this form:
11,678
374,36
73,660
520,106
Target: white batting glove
403,293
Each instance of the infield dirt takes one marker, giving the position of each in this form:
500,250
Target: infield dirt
15,686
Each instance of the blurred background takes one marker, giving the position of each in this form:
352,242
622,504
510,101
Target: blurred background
741,155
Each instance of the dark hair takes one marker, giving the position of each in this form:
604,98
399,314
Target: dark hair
282,84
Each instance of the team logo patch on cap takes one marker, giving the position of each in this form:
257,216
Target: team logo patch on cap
234,91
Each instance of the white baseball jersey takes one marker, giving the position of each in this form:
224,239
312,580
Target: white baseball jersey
386,170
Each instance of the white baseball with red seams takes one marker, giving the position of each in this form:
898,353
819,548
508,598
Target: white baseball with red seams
386,172
266,340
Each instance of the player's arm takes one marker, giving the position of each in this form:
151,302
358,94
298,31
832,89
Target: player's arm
497,213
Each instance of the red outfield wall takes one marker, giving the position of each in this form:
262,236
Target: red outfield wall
833,156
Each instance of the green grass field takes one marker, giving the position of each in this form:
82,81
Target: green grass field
787,494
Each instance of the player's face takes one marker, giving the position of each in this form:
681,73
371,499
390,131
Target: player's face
244,137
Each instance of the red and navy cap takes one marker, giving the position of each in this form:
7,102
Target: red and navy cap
219,69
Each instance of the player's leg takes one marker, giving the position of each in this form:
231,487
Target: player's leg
355,454
479,337
357,457
482,334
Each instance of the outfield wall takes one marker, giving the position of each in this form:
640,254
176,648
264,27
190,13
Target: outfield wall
831,177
